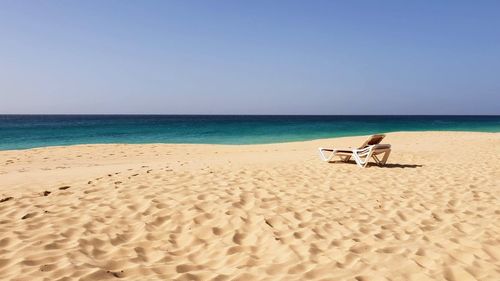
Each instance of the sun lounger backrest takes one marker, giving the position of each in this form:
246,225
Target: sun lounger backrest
375,139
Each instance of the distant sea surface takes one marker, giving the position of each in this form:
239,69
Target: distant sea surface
29,131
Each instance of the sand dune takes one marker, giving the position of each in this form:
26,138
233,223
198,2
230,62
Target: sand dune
256,212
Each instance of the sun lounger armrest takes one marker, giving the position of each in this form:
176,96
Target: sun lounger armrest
382,146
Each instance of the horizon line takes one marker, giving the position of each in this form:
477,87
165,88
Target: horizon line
226,114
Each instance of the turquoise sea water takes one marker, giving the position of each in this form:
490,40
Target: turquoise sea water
29,131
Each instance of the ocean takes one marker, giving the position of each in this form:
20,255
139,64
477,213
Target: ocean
30,131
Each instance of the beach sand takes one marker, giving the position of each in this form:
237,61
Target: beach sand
253,212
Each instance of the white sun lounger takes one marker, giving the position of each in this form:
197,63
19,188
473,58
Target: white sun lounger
371,148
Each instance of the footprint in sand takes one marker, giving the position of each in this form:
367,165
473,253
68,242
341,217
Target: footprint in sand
29,215
47,267
6,199
117,274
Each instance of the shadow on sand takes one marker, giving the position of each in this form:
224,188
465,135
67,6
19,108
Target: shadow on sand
403,166
388,165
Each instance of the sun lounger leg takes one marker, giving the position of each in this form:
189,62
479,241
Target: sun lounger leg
367,159
386,156
324,157
362,162
358,160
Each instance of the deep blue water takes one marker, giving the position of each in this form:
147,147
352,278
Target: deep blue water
28,131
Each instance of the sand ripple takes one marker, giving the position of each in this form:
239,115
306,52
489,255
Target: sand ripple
268,212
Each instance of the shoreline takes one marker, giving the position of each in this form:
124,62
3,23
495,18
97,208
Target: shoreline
245,144
21,132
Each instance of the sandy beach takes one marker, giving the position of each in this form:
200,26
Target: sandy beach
253,212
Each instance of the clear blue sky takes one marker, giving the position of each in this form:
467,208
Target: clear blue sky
250,57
